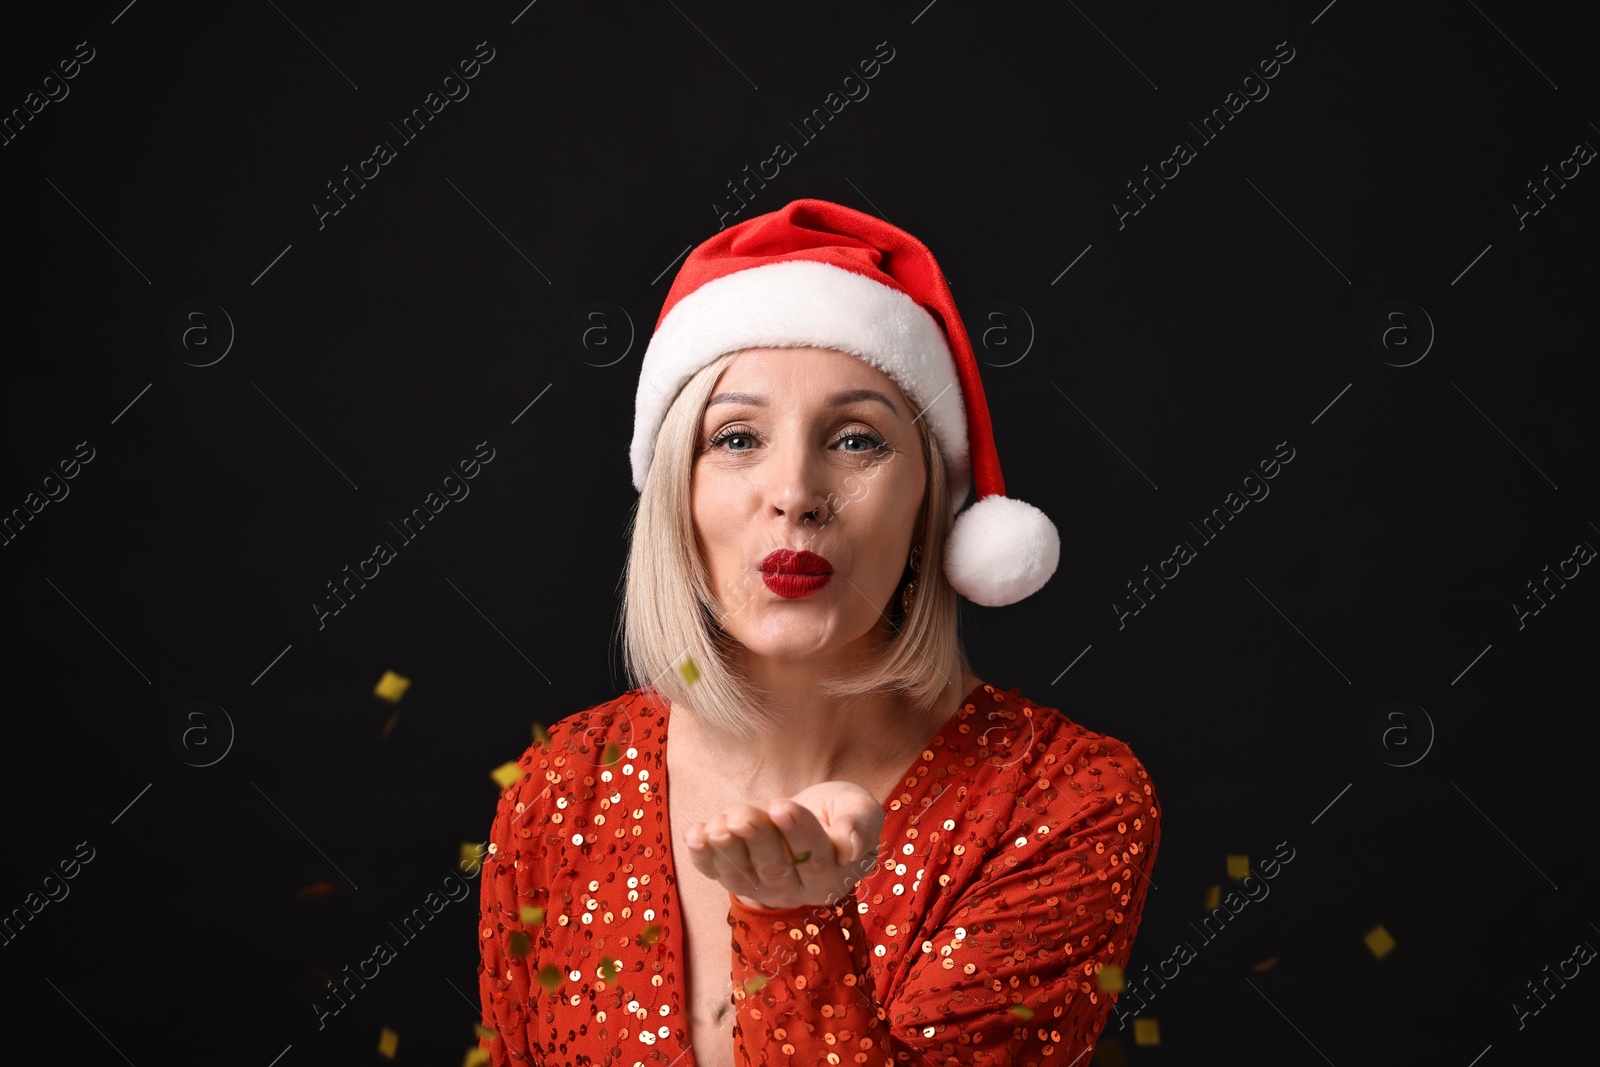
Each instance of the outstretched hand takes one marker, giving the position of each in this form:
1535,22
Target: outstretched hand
802,851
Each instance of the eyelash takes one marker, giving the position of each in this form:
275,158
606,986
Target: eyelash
879,445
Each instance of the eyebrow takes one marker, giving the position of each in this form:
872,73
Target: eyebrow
836,400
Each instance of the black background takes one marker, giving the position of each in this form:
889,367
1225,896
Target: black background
1131,394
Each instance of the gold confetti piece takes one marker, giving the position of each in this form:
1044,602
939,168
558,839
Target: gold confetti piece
388,1041
391,687
1379,941
1109,978
651,935
507,773
388,727
609,968
549,977
1146,1032
1238,867
755,985
691,673
801,857
531,915
476,1057
1266,964
517,944
541,736
472,854
320,975
1108,1052
611,754
483,1031
1022,1011
1214,898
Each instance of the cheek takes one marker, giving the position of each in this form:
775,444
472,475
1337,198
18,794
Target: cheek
886,516
898,502
712,513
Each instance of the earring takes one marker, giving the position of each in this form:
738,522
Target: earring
910,592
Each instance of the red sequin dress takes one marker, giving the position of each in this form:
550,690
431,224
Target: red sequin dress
1021,845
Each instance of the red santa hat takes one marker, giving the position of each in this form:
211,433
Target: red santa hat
816,274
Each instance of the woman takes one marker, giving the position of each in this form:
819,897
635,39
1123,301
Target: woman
915,866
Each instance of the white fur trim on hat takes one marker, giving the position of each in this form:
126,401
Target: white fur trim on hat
1001,550
796,303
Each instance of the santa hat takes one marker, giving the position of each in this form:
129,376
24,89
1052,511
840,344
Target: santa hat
816,274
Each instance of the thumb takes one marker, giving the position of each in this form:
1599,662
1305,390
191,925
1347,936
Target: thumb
845,851
857,849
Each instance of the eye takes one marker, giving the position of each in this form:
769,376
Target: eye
869,442
733,433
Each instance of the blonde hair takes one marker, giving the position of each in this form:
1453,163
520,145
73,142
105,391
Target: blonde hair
670,612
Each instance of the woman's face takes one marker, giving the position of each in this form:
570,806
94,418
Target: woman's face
786,431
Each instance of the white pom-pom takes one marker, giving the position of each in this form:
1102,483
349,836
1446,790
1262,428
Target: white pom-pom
1000,551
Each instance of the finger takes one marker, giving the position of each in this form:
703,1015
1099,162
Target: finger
808,842
715,853
766,847
700,853
875,852
730,860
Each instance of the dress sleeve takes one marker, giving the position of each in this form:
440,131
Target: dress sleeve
1013,977
503,981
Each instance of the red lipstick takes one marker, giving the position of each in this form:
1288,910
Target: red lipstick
793,574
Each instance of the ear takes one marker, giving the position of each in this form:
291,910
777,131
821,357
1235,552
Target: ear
919,539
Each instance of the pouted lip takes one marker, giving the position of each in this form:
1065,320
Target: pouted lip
788,561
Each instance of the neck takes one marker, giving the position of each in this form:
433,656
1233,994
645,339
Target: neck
819,738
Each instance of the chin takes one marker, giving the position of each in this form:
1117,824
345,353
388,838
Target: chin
778,643
795,639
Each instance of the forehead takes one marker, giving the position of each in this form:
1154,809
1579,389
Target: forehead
804,375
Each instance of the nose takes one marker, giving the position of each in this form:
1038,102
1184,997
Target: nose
796,485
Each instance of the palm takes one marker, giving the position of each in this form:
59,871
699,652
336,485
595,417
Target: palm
830,847
841,807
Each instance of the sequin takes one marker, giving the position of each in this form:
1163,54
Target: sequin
1013,910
